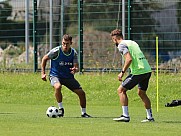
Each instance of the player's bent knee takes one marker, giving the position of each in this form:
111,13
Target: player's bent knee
121,90
141,93
79,92
57,86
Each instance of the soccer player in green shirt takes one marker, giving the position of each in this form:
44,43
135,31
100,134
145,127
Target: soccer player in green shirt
139,75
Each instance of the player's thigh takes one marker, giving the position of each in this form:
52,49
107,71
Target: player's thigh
130,82
72,84
143,84
55,82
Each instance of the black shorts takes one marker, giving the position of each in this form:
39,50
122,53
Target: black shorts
71,84
140,80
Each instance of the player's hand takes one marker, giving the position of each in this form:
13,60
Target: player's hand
120,76
43,77
73,70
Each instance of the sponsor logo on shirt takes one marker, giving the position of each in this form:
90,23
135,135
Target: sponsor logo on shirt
62,63
142,58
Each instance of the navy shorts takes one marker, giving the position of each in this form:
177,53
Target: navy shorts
71,83
140,80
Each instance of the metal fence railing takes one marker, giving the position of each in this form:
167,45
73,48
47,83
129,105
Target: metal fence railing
144,20
12,34
162,19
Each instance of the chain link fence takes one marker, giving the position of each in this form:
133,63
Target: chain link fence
144,20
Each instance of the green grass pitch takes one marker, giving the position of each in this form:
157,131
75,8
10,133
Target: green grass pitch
24,99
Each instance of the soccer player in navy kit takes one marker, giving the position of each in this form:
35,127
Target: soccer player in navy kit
64,64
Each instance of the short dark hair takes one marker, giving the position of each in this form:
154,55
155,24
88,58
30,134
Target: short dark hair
117,32
67,37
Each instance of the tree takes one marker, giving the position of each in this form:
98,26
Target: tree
101,14
141,20
5,12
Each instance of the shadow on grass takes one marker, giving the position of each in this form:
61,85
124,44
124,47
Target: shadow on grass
6,113
92,117
172,122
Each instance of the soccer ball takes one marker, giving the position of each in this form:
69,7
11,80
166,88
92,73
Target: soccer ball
52,112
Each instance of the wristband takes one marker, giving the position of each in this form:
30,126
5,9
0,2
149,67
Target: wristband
122,71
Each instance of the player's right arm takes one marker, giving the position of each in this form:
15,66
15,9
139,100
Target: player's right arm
52,54
128,59
43,65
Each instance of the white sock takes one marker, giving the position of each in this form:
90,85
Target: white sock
83,110
60,105
125,111
149,113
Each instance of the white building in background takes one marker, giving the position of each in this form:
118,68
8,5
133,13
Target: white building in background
167,21
18,8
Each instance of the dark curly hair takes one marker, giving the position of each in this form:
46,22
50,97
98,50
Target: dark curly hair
117,32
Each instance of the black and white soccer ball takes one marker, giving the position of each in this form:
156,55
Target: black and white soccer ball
52,112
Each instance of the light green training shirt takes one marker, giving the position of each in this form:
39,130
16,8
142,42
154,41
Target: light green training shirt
139,64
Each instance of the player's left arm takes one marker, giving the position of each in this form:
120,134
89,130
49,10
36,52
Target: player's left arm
75,67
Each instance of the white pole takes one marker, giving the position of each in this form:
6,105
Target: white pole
51,23
123,18
123,24
27,30
62,17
